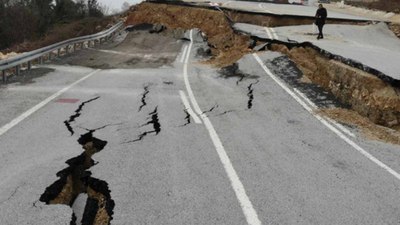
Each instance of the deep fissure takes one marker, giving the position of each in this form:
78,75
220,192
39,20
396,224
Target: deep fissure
154,120
371,95
76,179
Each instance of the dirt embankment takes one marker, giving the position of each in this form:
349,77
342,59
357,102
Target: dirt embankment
365,93
395,28
227,46
276,20
385,5
368,129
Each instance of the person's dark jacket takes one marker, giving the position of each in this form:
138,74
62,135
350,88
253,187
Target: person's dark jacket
320,16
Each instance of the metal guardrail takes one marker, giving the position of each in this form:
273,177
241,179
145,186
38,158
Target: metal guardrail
40,54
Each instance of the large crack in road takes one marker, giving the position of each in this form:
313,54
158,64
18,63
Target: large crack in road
154,120
76,181
250,94
144,95
77,114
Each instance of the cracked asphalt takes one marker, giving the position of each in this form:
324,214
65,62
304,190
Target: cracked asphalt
294,170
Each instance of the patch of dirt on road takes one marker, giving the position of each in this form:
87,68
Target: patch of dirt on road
227,46
140,49
369,129
395,28
366,94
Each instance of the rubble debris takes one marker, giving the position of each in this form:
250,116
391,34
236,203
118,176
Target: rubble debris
226,46
367,94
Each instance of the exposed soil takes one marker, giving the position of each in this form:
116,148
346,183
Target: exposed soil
385,5
227,46
276,20
368,129
76,179
365,93
139,49
395,28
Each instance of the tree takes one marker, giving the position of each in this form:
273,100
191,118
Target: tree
125,6
43,11
81,8
94,8
18,23
65,10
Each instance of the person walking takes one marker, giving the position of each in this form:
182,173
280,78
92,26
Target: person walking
320,19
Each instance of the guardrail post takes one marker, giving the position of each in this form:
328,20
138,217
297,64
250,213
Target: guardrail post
4,76
66,49
49,58
59,52
29,65
74,47
18,70
41,60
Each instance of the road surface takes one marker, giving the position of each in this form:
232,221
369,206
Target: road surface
189,144
373,45
281,9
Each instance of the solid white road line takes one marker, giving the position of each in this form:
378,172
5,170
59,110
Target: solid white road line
186,79
274,33
146,56
184,54
260,5
268,33
26,114
189,108
315,107
244,201
305,98
326,123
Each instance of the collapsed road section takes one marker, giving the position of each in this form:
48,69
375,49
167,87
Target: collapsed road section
363,89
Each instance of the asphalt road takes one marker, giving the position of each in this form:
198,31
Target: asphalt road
250,153
373,45
281,9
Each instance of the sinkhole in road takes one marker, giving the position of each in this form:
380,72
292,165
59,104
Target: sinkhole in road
76,180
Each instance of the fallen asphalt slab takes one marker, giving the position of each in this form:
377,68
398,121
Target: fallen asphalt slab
374,46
